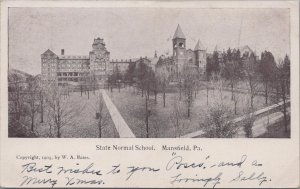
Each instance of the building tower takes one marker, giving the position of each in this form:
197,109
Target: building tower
49,66
200,55
99,59
179,48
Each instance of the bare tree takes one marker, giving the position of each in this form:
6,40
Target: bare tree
236,99
287,70
16,96
282,78
177,117
163,76
86,83
247,122
155,89
116,78
232,69
102,115
140,72
207,87
32,100
41,90
218,84
267,67
180,84
62,112
148,83
83,82
251,77
130,73
190,79
17,106
93,81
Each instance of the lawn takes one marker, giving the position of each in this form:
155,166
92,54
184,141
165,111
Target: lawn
277,131
83,125
131,105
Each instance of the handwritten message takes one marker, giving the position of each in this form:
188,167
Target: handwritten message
177,170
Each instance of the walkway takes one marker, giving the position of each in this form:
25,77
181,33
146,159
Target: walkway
259,126
120,124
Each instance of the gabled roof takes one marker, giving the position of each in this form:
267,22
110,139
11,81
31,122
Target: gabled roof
199,46
48,52
245,48
178,33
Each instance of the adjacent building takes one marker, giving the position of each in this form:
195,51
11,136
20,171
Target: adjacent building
182,56
122,64
75,68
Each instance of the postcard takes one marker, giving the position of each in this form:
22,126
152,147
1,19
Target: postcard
147,94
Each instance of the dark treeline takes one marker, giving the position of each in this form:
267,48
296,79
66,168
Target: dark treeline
236,67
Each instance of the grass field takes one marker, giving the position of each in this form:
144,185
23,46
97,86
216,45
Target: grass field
131,105
84,124
277,131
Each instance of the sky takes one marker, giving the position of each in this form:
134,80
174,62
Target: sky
135,32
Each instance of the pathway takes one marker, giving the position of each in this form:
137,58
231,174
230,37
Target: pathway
259,126
120,124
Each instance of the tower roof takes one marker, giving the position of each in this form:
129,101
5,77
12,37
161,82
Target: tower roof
178,33
199,46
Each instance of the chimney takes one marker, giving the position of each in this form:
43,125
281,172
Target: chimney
62,51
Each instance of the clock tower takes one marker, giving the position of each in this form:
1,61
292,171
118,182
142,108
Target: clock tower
99,59
179,48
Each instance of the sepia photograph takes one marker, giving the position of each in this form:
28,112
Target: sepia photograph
138,72
149,94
